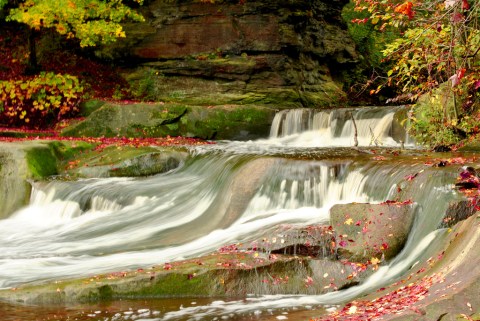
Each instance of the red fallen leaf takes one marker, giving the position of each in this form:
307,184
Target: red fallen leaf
411,177
465,5
342,243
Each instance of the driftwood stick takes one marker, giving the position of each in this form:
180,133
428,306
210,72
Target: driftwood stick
355,135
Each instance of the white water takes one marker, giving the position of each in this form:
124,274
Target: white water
335,128
81,228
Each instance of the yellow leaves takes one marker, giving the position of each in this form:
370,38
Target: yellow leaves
348,221
61,29
375,262
92,22
119,33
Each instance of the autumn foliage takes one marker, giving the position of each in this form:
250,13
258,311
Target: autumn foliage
42,100
92,22
438,45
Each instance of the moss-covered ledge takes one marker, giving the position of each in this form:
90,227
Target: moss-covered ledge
170,119
216,275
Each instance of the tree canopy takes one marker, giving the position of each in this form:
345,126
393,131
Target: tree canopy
438,46
91,21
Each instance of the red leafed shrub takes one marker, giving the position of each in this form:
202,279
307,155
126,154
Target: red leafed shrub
40,101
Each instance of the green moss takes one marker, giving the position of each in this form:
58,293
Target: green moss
179,284
89,106
64,151
103,293
44,160
41,162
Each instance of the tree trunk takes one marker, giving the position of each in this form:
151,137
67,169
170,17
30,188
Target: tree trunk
33,66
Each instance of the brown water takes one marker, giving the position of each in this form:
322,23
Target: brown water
145,310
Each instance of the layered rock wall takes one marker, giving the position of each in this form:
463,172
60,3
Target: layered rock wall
279,53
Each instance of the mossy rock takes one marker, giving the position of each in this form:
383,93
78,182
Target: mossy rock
161,119
125,161
89,106
231,122
216,275
473,146
20,162
133,120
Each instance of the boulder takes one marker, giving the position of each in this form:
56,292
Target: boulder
365,231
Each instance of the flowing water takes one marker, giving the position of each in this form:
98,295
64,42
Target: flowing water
84,227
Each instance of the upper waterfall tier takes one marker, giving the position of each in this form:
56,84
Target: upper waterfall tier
372,126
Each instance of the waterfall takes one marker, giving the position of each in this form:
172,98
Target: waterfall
98,225
335,128
231,192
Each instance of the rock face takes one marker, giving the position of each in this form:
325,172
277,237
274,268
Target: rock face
30,160
281,53
14,190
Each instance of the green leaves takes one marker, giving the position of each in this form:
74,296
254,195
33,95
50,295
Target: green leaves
91,21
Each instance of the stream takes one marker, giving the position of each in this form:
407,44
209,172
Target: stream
224,193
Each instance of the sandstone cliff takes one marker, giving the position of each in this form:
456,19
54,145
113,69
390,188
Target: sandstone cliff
280,53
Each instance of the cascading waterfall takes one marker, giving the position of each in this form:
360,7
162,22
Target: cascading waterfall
335,128
85,227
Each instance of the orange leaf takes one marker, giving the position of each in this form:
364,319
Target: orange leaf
406,9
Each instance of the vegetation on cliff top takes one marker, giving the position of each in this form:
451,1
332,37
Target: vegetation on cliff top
36,101
439,43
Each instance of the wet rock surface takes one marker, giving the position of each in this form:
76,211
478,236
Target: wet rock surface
371,230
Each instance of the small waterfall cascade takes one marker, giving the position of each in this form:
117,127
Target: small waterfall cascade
374,126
